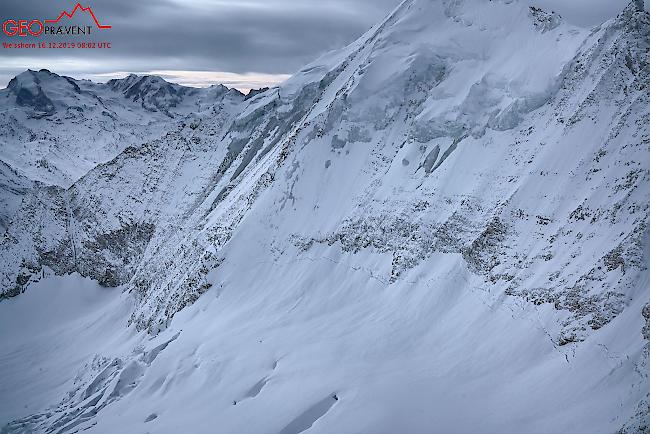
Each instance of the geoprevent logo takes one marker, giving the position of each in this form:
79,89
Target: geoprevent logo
36,27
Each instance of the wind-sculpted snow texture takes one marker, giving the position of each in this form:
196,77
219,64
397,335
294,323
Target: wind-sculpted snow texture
445,222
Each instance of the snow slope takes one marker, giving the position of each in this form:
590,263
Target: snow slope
72,312
440,228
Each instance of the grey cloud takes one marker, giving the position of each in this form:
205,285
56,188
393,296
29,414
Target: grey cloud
268,36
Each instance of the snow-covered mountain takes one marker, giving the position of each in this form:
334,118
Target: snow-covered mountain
55,129
442,227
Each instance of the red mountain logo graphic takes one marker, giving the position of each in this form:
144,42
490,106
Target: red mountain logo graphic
35,27
82,9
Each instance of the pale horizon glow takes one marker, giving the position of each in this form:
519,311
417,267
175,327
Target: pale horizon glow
242,82
247,81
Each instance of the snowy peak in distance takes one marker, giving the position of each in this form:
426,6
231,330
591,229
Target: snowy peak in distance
45,92
56,128
39,89
156,94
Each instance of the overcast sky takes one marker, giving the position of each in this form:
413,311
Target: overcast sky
240,43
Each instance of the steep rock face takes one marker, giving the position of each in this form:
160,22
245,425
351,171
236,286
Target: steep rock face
103,235
169,184
429,154
14,186
440,113
459,150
